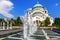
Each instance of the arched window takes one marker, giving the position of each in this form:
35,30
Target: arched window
37,21
45,12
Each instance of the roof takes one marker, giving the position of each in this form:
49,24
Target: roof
37,5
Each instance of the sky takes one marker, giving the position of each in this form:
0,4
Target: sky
15,8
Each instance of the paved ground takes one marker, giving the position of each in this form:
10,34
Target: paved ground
4,33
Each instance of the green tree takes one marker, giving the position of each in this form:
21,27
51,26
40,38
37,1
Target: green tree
43,23
18,22
0,21
47,21
57,22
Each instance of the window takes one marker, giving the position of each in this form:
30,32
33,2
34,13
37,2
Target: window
37,21
45,11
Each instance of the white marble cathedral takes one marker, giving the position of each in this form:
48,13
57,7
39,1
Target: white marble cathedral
38,13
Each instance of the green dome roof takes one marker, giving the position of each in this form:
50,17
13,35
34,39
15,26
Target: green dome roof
37,5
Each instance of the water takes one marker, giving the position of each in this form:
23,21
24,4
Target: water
29,28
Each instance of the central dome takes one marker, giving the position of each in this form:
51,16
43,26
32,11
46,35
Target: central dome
37,5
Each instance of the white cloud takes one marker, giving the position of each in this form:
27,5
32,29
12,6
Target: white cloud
57,4
5,7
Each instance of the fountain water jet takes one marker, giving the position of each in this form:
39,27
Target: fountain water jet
29,28
24,27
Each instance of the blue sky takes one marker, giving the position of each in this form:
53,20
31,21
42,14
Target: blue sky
53,7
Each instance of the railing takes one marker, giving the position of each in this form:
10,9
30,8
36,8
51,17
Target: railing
47,27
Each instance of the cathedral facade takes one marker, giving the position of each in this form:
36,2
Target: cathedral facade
38,13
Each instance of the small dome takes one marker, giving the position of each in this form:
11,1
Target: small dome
37,5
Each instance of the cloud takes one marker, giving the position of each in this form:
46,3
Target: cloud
5,7
57,4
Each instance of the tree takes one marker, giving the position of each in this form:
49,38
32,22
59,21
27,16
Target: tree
43,23
57,22
47,21
18,22
0,21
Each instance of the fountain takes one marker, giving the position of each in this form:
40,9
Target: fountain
24,27
31,29
28,27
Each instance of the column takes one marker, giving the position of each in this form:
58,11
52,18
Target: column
3,24
10,25
7,25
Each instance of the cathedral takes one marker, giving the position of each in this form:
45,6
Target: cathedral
38,13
